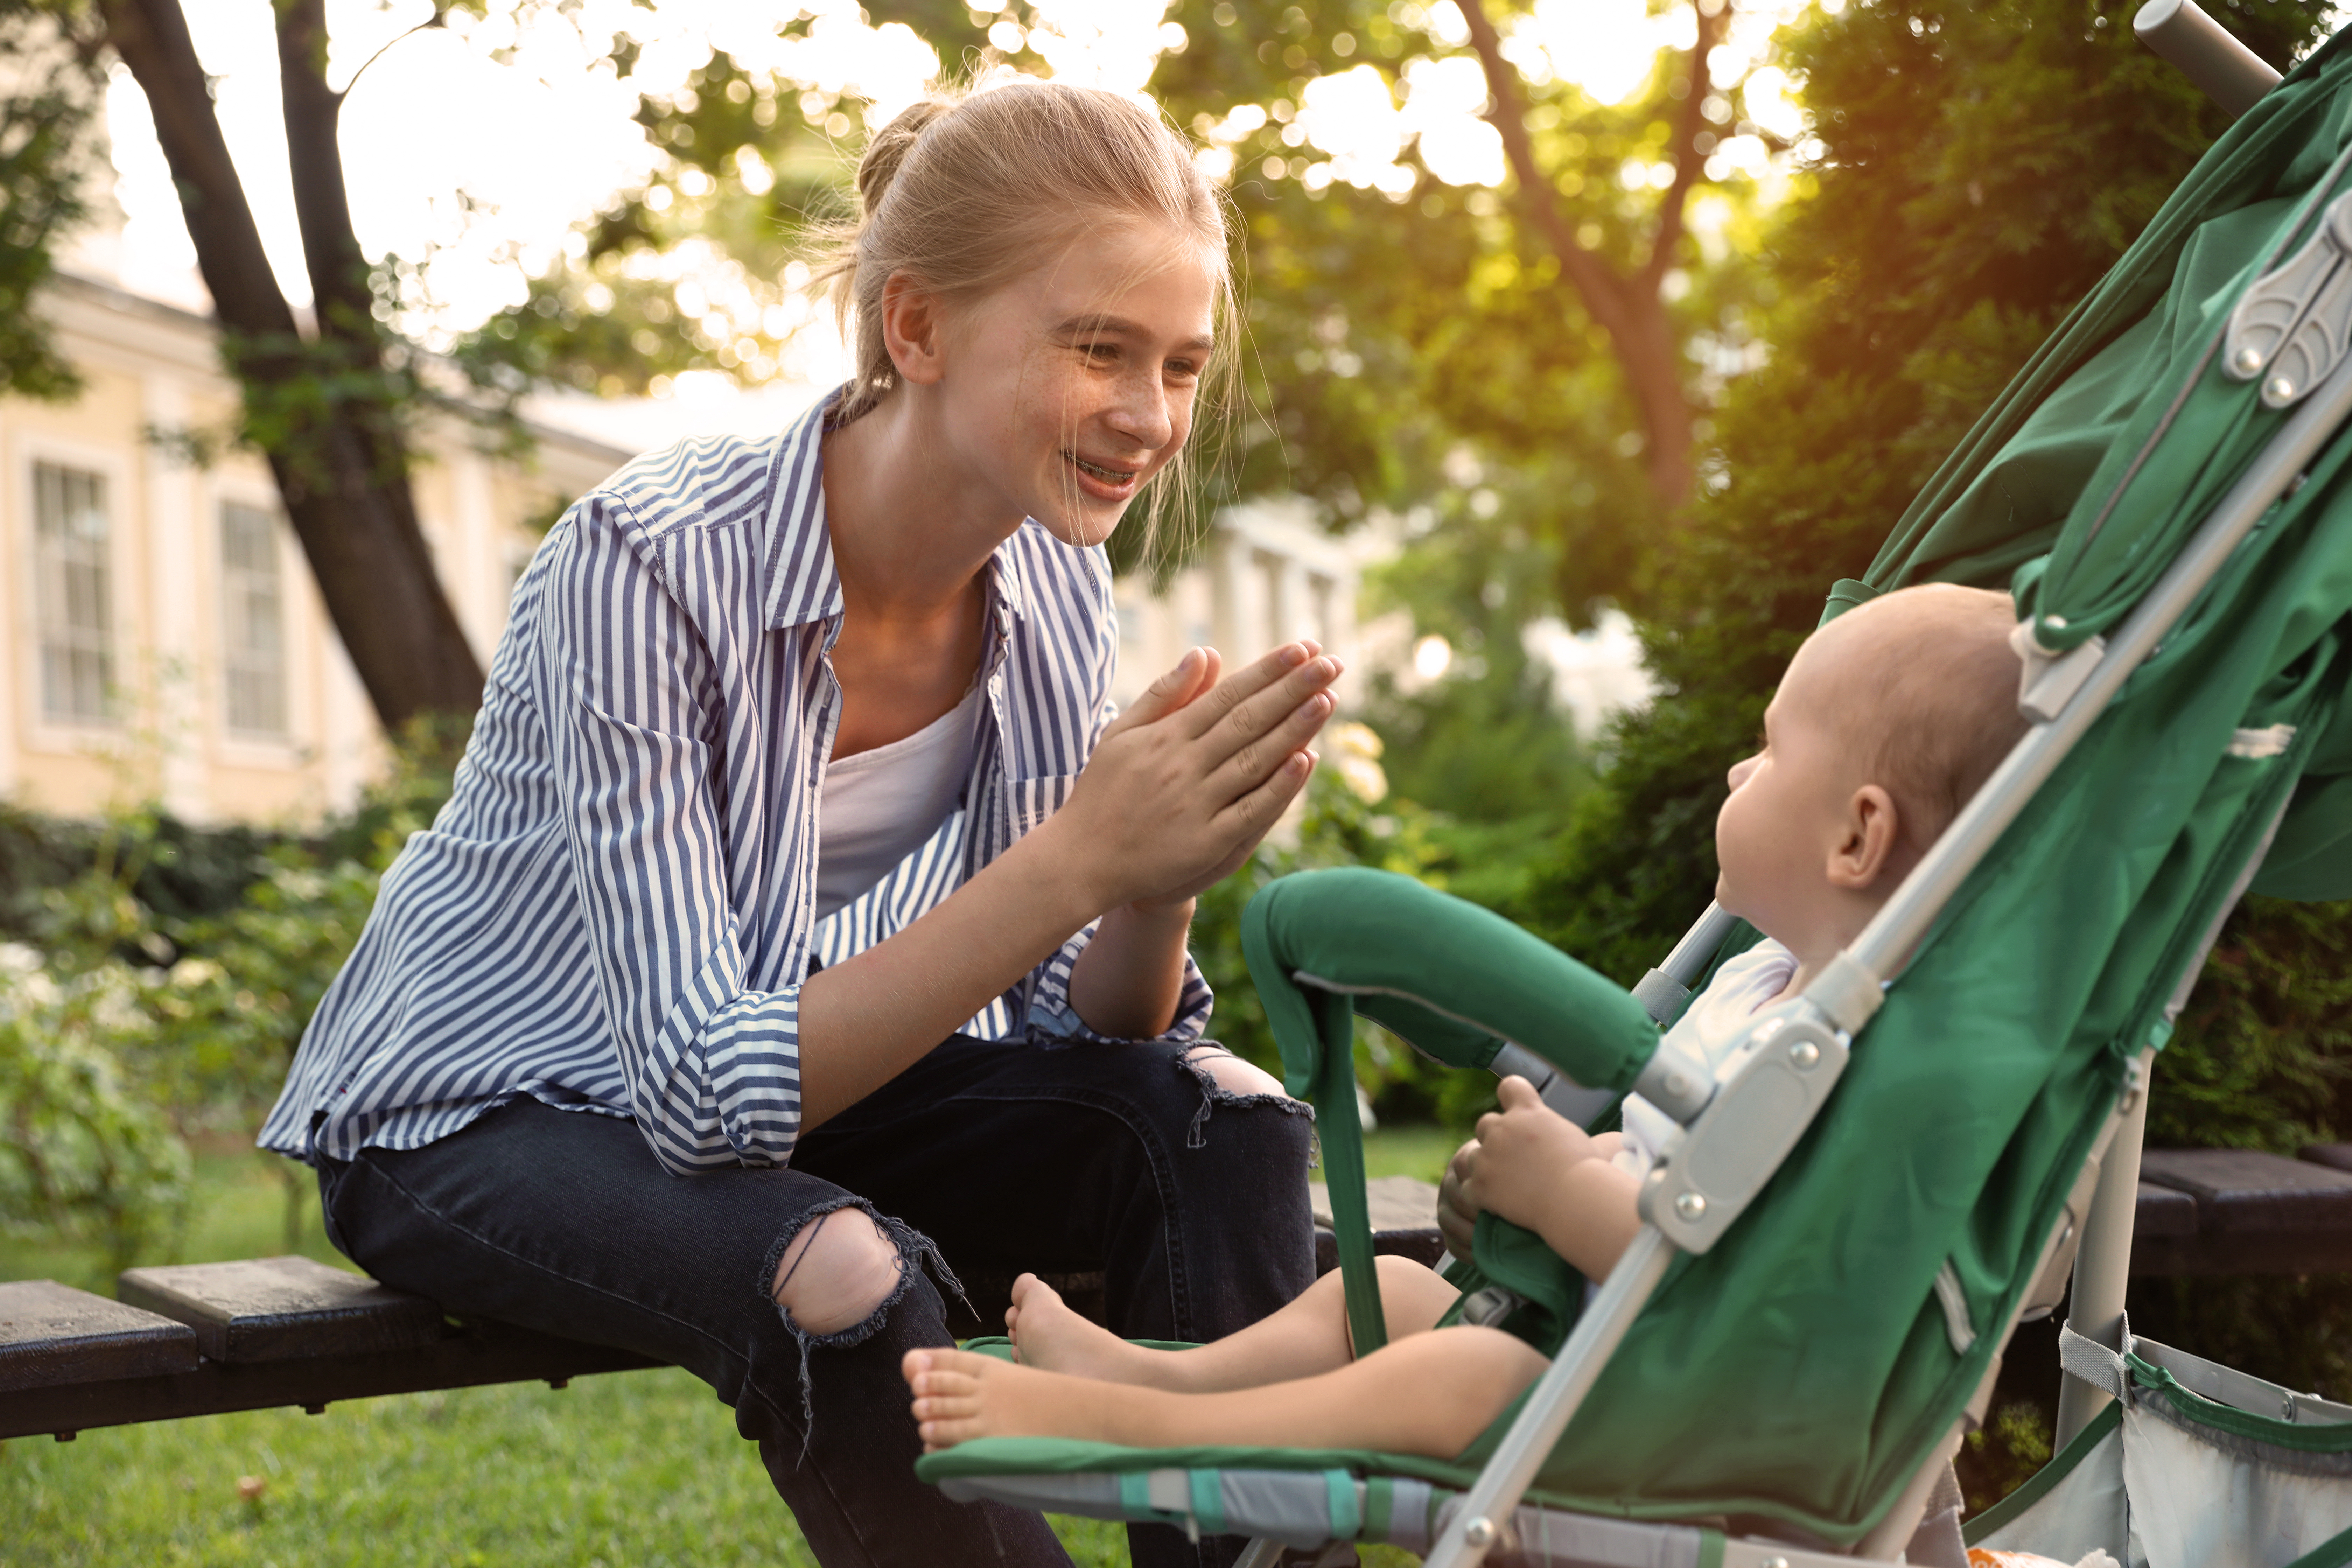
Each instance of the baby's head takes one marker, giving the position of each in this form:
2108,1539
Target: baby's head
1887,721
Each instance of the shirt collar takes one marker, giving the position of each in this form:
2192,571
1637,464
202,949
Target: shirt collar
803,585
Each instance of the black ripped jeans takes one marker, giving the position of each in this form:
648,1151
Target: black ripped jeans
1003,1157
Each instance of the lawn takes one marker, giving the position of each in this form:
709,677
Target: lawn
625,1470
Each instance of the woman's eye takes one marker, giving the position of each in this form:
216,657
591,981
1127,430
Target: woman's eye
1101,354
1182,370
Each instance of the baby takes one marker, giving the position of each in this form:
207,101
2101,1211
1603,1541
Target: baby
1887,721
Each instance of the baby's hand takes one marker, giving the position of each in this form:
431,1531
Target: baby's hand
1523,1149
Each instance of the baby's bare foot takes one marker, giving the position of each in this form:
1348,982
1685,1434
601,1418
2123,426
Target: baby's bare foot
1048,1333
960,1396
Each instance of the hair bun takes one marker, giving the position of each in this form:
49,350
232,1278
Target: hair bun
889,150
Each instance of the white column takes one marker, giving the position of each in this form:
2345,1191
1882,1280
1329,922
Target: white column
347,731
175,534
1230,598
15,598
472,570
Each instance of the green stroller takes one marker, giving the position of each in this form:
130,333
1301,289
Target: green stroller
1886,1178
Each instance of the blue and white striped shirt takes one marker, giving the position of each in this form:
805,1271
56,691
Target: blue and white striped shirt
616,909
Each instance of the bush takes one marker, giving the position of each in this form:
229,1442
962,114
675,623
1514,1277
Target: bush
86,1154
170,974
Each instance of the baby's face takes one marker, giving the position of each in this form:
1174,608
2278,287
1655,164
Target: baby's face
1774,835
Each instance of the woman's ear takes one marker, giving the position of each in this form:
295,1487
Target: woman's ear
1872,830
913,330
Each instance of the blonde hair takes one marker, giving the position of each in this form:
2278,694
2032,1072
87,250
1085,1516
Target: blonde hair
1939,710
970,188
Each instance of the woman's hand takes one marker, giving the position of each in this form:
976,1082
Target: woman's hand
1184,783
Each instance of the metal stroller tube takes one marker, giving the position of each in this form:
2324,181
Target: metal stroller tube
2231,74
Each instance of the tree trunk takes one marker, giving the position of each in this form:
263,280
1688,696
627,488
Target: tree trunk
1630,310
338,457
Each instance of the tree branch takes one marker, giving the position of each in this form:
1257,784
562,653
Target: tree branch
331,250
439,18
1630,313
1506,110
152,38
1688,161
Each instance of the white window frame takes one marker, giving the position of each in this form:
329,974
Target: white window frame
42,730
239,748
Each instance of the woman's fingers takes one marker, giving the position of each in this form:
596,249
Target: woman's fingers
1253,737
1252,693
1250,763
1258,809
1172,691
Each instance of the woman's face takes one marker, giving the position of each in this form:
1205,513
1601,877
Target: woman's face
1069,387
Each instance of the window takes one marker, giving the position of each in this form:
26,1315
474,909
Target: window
253,622
74,584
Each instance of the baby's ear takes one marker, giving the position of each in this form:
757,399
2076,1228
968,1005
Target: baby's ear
1872,831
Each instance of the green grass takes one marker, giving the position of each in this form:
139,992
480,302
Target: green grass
1417,1150
625,1470
240,1211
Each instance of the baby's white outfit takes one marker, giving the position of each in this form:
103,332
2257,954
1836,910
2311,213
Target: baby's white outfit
1708,1029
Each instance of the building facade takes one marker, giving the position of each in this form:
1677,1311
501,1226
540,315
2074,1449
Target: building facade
163,639
1264,576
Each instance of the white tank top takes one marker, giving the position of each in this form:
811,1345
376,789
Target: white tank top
880,807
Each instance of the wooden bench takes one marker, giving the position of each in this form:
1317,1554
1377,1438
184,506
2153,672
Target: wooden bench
203,1339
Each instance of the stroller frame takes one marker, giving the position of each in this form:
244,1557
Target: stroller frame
1806,1045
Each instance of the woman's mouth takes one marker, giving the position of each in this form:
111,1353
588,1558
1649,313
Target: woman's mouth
1117,482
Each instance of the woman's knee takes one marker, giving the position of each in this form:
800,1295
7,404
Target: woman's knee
837,1271
1227,1077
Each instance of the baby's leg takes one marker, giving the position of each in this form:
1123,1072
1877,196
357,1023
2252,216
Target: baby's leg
1429,1394
1309,1336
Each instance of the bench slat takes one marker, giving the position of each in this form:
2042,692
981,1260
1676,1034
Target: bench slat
2256,1213
52,1334
481,1353
278,1308
2163,1211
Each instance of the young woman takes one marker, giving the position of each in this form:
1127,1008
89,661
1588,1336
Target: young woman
796,761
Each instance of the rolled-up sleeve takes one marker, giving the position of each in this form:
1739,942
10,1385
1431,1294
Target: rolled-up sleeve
712,1070
1051,1015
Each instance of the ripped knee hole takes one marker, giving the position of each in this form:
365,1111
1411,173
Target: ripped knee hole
837,1272
1234,1075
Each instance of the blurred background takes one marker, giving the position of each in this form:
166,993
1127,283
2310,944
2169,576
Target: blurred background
1588,342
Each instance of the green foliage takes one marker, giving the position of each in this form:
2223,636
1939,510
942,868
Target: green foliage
751,179
45,147
2262,1057
2004,1453
130,1026
1982,166
85,1154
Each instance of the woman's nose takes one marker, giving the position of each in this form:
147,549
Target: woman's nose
1740,772
1141,414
